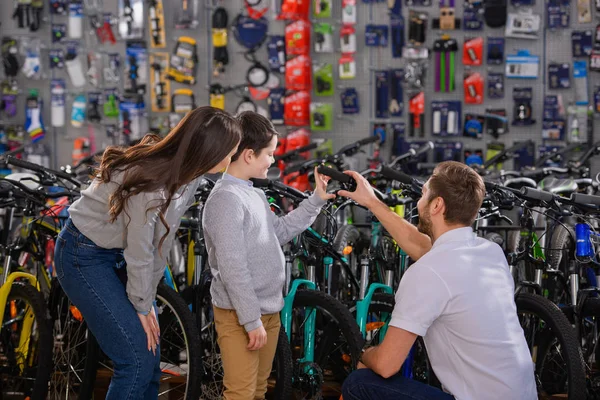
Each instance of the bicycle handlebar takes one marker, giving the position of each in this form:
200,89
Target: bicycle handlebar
41,170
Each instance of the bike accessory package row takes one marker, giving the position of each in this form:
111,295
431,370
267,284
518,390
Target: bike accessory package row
522,113
473,51
276,106
522,65
323,37
559,75
74,64
495,84
321,116
323,75
136,67
220,19
57,102
131,19
184,61
156,23
473,88
277,57
110,104
34,125
417,27
376,35
444,63
350,102
416,111
160,99
447,20
297,109
297,38
446,118
581,43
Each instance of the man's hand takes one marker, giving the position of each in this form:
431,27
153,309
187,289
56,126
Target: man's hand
363,194
321,182
257,338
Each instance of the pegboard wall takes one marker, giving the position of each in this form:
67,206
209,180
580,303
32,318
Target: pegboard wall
550,46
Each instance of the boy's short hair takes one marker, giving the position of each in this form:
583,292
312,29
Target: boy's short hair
257,133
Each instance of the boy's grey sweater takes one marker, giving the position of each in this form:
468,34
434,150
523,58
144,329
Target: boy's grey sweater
244,238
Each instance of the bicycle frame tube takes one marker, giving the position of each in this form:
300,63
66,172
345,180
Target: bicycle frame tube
309,326
5,288
169,278
362,307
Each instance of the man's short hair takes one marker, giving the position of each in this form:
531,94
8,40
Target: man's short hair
257,133
461,188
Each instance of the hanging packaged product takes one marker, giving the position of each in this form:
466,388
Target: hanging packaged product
597,6
8,102
447,20
522,65
78,111
323,79
523,25
160,99
418,3
577,122
220,18
94,68
294,10
473,51
554,124
112,68
251,33
297,109
322,8
580,78
110,104
350,103
260,81
495,51
276,105
277,57
136,67
597,100
131,19
495,84
59,32
348,39
75,20
34,125
523,110
416,109
558,14
93,107
297,38
445,118
217,96
102,25
58,7
57,58
595,58
417,27
473,88
445,150
32,66
186,13
395,7
581,43
396,105
382,93
397,35
9,57
414,74
473,15
496,122
347,67
74,64
321,116
81,149
559,75
256,9
444,63
494,13
182,102
584,11
323,38
298,73
398,132
348,11
156,23
376,35
184,61
57,102
133,118
474,126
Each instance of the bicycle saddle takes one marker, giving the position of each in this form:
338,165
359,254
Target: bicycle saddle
558,185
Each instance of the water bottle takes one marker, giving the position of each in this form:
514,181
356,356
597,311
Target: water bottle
584,244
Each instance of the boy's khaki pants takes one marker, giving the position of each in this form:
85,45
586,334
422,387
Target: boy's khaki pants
246,372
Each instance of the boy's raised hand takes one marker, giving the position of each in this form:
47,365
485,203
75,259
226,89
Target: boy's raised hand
321,186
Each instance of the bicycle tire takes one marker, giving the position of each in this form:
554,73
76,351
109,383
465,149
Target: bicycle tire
566,336
561,244
346,234
284,367
43,369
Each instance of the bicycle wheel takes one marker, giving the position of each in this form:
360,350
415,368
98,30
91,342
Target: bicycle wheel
25,357
552,341
337,345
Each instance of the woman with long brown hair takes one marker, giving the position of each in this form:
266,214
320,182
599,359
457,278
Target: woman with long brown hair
110,256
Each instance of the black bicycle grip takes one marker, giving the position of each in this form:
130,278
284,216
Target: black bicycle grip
292,191
581,198
370,139
535,194
335,174
297,151
261,183
424,149
399,176
533,173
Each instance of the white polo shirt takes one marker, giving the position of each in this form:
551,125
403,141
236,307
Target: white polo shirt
460,298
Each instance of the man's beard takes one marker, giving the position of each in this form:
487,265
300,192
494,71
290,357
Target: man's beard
425,225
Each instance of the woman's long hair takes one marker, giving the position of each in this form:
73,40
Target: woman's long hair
203,138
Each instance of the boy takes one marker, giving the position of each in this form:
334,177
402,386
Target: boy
244,239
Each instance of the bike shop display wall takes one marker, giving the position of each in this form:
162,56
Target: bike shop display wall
465,109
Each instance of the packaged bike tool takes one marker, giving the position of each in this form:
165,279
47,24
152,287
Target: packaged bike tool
32,66
581,42
347,67
133,121
78,109
559,14
112,68
473,15
349,12
8,103
348,39
186,14
220,18
417,27
297,109
559,75
136,67
131,19
93,107
350,101
111,103
321,116
276,49
160,99
322,8
495,84
397,35
522,65
416,114
473,88
323,38
323,79
473,51
523,110
474,124
156,24
376,35
495,51
276,106
382,93
445,118
59,31
102,27
396,105
297,38
182,102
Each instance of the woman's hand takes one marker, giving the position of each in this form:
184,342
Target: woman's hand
257,338
321,182
150,325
